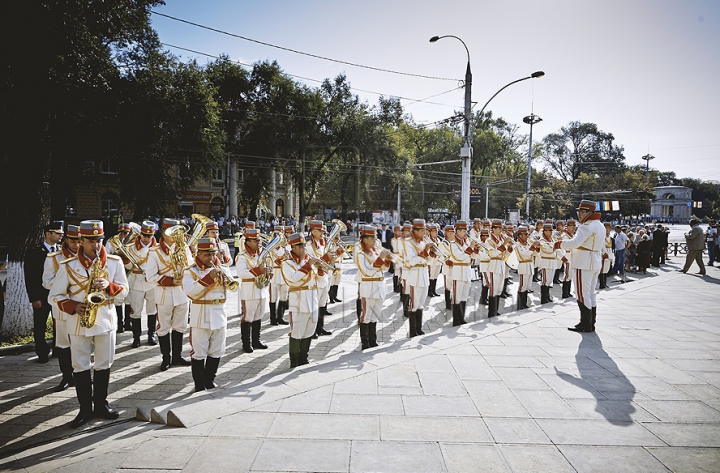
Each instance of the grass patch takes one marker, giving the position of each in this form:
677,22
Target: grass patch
4,342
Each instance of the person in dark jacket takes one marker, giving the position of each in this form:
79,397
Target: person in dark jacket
34,265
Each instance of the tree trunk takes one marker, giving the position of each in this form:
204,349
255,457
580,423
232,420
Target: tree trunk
18,319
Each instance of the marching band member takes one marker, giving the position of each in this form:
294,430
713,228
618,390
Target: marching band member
404,286
301,275
316,249
416,253
172,302
435,264
608,256
205,283
508,233
371,263
94,275
547,262
474,235
212,230
536,235
449,240
278,288
567,234
558,235
253,298
497,251
524,252
483,266
142,292
587,246
335,277
123,230
459,277
396,248
68,249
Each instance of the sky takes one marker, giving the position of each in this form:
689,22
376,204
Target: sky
647,71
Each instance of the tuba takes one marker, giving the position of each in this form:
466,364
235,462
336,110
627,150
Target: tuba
198,230
267,260
93,299
120,246
333,240
178,259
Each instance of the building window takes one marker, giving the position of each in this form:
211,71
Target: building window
281,178
279,208
217,205
109,206
186,208
71,206
218,178
241,175
106,167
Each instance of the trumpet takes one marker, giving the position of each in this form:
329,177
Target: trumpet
224,280
321,264
435,247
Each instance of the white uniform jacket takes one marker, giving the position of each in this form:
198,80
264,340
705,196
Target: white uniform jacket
52,264
497,252
207,308
370,272
548,255
159,272
415,263
587,245
248,267
301,277
141,253
609,260
70,287
317,249
525,258
459,261
279,254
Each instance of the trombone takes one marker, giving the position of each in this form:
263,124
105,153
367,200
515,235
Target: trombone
224,280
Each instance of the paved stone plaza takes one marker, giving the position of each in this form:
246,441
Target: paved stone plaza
518,393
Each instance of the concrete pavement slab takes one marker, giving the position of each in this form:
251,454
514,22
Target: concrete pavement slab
223,454
324,427
688,460
303,455
536,458
396,457
615,459
434,429
509,431
597,432
445,406
686,435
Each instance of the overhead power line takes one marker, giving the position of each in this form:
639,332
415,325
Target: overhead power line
379,69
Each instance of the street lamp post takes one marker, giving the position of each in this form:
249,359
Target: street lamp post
531,120
466,150
647,158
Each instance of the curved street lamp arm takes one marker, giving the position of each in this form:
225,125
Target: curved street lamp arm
534,75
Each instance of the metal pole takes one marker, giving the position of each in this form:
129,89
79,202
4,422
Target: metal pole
487,198
466,150
531,119
398,205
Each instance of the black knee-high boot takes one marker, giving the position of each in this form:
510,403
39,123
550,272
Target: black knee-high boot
364,342
566,289
493,306
372,334
255,333
245,330
294,351
100,391
120,319
281,308
197,367
211,367
406,302
273,314
396,284
456,314
84,391
358,308
164,341
136,331
151,324
484,295
412,332
177,358
418,322
65,361
448,305
463,305
556,277
536,275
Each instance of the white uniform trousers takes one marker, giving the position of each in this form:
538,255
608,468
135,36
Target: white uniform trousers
496,281
172,318
137,299
566,268
434,270
584,281
253,309
205,342
486,279
371,310
323,295
62,336
460,291
278,292
546,277
302,325
336,277
82,347
525,282
417,298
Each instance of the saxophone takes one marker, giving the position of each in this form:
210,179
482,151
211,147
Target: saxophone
93,299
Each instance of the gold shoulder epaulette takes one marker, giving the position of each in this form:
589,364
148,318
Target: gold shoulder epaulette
68,260
114,257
